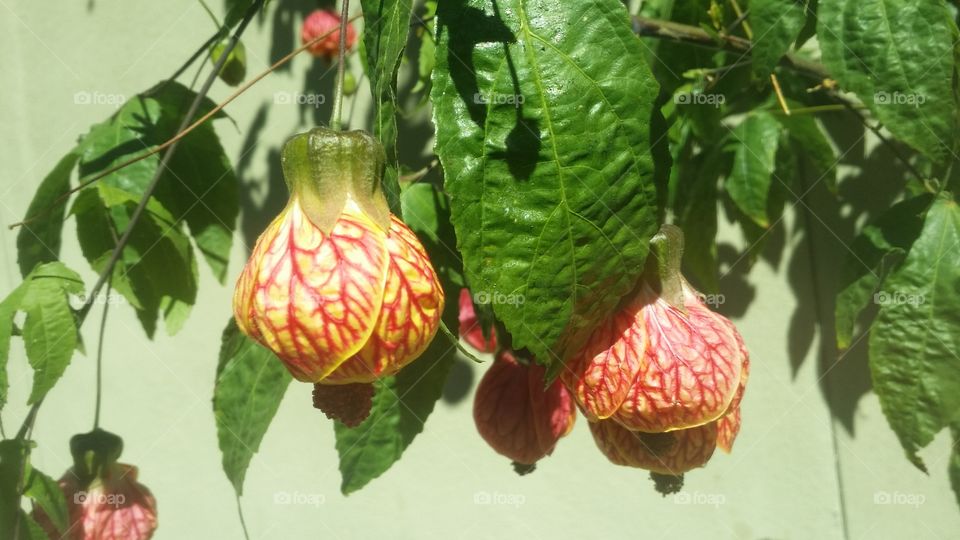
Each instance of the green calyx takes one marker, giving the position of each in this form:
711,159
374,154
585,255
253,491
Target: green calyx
324,169
93,452
663,264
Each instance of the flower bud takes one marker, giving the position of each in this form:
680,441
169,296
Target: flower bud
338,287
517,414
320,22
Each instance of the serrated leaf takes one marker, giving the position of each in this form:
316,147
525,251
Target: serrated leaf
386,25
45,493
50,328
914,340
546,152
39,241
776,24
898,57
8,309
249,387
402,403
756,141
873,254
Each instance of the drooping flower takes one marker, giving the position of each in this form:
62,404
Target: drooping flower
517,414
338,287
470,329
318,23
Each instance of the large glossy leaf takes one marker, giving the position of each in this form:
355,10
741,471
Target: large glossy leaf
386,25
39,240
546,150
755,143
402,403
914,340
776,24
898,57
250,385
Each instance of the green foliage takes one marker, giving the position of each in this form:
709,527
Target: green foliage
914,339
403,402
39,241
755,143
897,56
49,329
776,25
250,385
45,493
384,37
546,150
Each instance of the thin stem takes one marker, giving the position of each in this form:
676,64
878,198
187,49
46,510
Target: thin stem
183,133
335,119
243,522
213,17
103,332
193,58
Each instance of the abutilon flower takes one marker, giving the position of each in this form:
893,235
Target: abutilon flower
338,287
517,414
470,329
320,22
661,380
104,498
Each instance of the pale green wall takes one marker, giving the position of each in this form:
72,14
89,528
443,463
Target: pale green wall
793,470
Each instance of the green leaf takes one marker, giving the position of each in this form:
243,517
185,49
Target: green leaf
696,211
954,466
39,241
546,152
914,340
898,57
808,136
157,272
402,403
386,25
249,387
776,24
50,328
14,455
46,493
198,186
756,141
8,309
873,254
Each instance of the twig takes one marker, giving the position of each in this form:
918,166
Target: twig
173,140
416,175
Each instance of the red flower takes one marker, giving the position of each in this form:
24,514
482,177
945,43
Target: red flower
470,329
319,23
517,415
